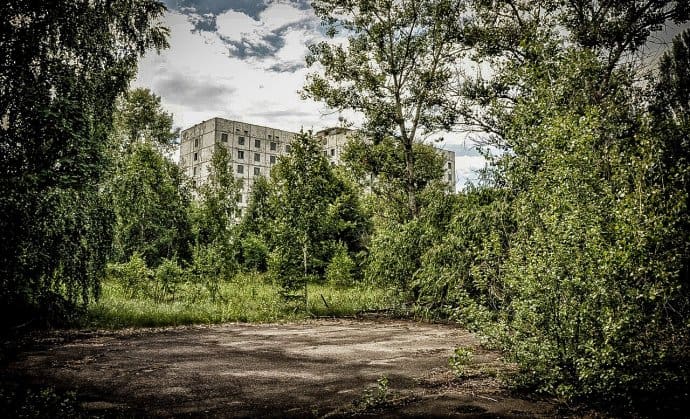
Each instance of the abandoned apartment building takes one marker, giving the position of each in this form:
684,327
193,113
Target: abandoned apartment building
255,149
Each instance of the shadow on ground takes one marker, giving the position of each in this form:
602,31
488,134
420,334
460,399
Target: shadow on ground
309,369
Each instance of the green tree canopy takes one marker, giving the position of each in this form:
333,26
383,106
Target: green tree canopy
62,66
397,69
140,118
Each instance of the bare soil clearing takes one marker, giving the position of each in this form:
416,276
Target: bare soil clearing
307,369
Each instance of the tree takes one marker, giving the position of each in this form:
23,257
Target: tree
312,210
150,199
140,117
62,66
396,69
216,212
381,168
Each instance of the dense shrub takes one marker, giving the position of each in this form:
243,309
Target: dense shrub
340,270
254,253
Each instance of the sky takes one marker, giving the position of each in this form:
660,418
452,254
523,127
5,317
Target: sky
244,60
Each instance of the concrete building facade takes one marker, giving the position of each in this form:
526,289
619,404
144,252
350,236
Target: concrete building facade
255,149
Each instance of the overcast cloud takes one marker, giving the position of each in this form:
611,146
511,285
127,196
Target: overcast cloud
244,60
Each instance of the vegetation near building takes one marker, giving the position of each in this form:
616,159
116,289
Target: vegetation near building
572,255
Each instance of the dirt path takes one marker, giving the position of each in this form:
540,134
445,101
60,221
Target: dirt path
317,368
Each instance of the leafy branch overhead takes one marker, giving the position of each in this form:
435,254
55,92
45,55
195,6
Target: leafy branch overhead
395,69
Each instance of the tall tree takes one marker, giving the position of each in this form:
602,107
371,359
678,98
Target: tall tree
150,198
215,213
62,65
381,168
149,194
312,210
396,69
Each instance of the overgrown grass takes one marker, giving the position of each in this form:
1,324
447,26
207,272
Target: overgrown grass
245,298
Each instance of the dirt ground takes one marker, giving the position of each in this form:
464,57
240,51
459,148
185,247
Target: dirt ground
324,368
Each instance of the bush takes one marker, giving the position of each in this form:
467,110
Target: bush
134,276
285,270
341,267
169,277
394,255
208,268
254,253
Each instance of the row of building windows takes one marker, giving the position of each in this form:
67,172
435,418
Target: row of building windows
257,157
240,169
241,141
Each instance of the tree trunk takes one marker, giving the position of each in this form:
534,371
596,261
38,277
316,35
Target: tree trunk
304,255
410,179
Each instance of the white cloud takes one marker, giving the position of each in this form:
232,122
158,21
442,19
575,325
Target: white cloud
237,26
280,14
245,89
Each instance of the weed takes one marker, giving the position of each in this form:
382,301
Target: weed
374,397
459,361
244,298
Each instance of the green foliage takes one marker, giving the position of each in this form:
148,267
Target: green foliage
397,70
374,397
209,267
313,209
246,298
62,66
140,117
150,197
341,268
257,217
134,276
594,252
21,401
214,217
459,361
380,167
169,278
254,253
460,274
394,255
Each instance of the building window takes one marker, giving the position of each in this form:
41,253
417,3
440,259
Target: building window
449,166
257,157
287,148
450,177
240,154
196,156
257,143
246,132
273,146
239,198
196,142
194,171
240,168
224,137
240,141
257,171
272,159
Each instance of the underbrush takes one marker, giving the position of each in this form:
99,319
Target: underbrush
244,298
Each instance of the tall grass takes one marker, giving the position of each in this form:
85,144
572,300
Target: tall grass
245,298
